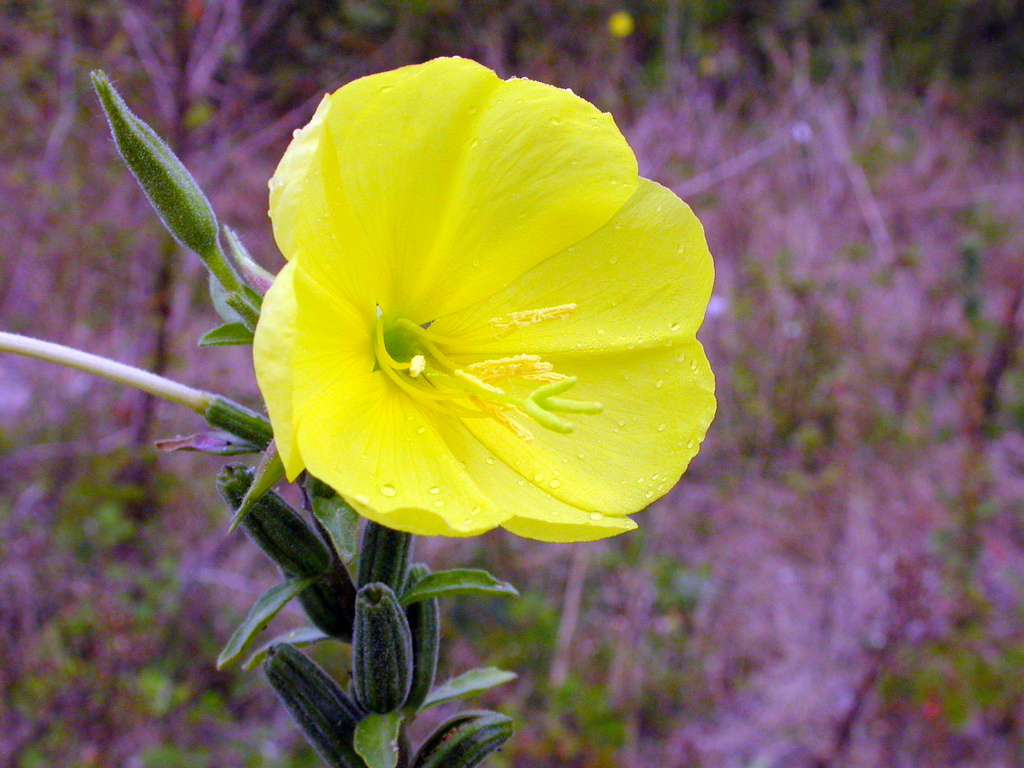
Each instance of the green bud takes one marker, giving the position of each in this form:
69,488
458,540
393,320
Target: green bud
464,741
285,537
325,714
381,650
425,628
167,183
239,420
384,556
275,527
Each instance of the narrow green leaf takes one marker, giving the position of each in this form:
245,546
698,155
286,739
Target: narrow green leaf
376,739
300,637
466,684
269,471
261,613
461,581
226,335
336,516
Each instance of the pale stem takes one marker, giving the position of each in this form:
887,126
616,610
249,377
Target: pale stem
196,399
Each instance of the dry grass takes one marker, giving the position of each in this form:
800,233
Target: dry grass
834,583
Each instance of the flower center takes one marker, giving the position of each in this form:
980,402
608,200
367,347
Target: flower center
420,362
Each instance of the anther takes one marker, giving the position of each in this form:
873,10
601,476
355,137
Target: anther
417,365
529,367
516,320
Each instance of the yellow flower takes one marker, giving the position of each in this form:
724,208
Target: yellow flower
487,318
620,24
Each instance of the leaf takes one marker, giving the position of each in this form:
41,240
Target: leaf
376,739
336,516
461,581
225,335
298,637
261,613
216,442
466,684
269,471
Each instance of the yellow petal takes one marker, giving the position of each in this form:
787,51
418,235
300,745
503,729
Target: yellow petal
580,526
658,403
272,359
432,187
643,278
286,204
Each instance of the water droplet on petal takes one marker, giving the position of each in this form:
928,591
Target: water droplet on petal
421,430
613,260
648,494
693,366
388,490
554,483
674,327
579,456
361,499
522,482
596,516
438,503
490,459
689,444
476,262
386,88
434,490
600,331
661,427
659,384
475,511
539,477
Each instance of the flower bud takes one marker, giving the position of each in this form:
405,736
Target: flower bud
275,527
425,628
384,556
324,713
169,186
464,741
381,650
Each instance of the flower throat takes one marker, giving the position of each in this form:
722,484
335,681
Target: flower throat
420,363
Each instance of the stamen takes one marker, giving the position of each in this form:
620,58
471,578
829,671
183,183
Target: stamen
504,414
471,379
529,367
515,320
417,365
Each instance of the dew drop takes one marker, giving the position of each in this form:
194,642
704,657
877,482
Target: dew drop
580,455
386,88
421,430
613,260
539,477
476,262
522,482
655,477
554,483
361,499
474,143
631,346
596,516
659,384
622,422
648,494
693,366
618,225
661,427
600,331
680,357
295,133
388,490
674,327
435,490
474,512
689,444
490,459
439,503
554,121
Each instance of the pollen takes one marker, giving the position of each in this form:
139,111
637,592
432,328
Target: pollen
515,320
529,367
417,365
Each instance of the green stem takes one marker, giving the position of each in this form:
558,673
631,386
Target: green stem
195,399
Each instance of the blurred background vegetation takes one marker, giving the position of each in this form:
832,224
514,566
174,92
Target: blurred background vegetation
838,580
